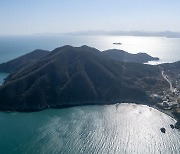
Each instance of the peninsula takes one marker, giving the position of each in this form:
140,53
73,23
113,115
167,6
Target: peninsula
69,76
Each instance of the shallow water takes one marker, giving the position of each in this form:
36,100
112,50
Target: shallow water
120,128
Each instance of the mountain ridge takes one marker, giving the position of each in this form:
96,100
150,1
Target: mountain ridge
124,56
31,57
22,61
76,76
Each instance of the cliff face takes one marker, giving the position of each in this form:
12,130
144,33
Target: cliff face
124,56
75,76
22,61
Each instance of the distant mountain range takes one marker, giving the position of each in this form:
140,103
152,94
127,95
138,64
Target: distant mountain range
168,34
69,76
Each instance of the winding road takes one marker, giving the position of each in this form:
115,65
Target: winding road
170,84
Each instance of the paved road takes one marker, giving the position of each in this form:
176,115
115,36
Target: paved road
170,84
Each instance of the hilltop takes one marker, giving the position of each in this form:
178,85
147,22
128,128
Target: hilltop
70,76
22,61
124,56
31,57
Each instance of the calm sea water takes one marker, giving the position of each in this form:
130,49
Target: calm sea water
125,128
113,129
167,49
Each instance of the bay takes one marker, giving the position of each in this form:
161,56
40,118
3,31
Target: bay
120,128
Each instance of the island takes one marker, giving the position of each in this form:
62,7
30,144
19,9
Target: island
117,43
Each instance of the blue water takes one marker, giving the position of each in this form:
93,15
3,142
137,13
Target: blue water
167,49
108,129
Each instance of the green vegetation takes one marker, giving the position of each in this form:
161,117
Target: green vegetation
124,56
22,61
70,76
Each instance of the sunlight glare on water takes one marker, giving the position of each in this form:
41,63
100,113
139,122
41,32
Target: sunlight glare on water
167,49
164,48
120,128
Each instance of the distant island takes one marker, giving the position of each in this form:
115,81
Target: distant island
167,34
118,43
71,76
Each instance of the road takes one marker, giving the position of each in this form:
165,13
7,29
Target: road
170,84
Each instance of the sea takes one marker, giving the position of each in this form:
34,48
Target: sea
167,49
107,129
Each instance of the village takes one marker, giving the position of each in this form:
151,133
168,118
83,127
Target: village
169,99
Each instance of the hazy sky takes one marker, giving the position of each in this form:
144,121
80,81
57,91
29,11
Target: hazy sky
56,16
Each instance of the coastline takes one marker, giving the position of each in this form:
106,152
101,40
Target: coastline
170,114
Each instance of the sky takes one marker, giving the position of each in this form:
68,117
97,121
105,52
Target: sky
22,17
